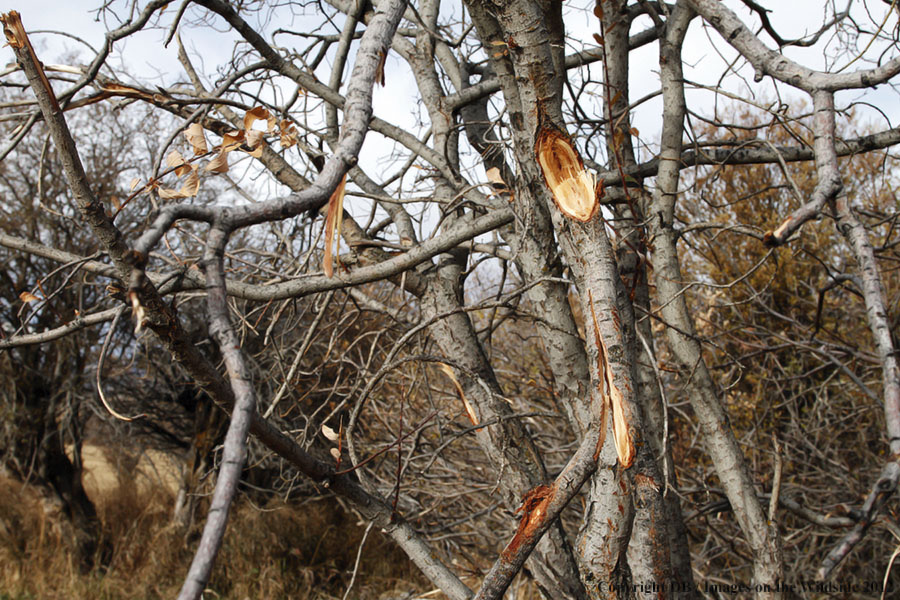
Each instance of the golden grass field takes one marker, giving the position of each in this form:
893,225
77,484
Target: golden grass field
304,551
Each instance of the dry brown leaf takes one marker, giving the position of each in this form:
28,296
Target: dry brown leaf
493,175
219,164
259,113
287,134
445,368
336,454
232,140
255,141
169,193
134,183
271,124
572,186
195,137
191,185
27,297
332,222
175,159
329,433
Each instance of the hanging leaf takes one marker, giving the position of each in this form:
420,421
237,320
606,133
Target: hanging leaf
287,134
191,185
175,159
259,113
493,175
169,194
255,141
27,297
195,137
572,186
232,140
219,164
329,433
332,224
134,183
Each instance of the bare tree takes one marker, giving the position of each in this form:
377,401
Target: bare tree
524,231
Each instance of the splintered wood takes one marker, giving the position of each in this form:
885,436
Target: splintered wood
17,38
534,511
572,186
612,399
333,225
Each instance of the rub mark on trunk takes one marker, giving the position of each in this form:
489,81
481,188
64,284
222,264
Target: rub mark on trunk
534,510
572,186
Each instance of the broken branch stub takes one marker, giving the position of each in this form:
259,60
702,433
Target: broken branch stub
572,186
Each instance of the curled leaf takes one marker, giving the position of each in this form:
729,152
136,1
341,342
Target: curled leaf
329,433
191,185
170,194
572,186
287,132
175,159
493,175
232,140
255,141
219,164
260,113
195,137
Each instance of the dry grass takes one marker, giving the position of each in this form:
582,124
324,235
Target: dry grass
277,551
